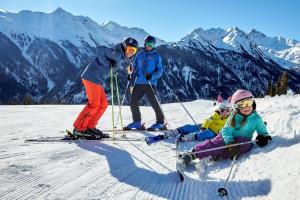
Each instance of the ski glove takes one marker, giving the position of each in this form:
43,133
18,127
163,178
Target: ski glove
129,77
148,77
262,140
112,62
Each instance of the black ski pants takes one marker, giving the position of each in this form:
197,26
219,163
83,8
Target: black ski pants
138,92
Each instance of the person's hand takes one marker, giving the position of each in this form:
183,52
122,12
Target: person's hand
131,90
129,69
262,140
148,77
112,63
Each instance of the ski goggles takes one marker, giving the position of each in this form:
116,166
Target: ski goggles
131,50
150,44
225,110
244,103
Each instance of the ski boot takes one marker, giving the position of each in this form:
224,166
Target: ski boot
151,139
167,134
135,126
157,126
189,137
76,134
96,134
185,159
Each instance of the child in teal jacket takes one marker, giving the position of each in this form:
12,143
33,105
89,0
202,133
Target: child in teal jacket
241,125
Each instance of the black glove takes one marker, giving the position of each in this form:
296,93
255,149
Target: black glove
112,63
262,140
148,77
129,77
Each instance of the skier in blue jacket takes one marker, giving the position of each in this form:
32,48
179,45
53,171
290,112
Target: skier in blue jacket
147,68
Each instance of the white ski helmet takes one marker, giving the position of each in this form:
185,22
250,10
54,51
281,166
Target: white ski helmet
223,104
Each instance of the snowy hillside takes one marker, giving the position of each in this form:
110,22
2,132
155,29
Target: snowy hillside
134,170
43,55
61,25
284,51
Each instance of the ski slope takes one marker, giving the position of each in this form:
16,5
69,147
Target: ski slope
134,170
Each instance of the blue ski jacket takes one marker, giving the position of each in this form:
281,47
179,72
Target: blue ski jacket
147,62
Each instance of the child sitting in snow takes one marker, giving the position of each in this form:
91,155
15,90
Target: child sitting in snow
241,125
210,126
209,129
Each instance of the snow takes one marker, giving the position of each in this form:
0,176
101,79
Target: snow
134,170
61,25
284,51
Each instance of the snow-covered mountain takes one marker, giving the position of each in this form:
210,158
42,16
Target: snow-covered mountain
284,51
134,170
56,46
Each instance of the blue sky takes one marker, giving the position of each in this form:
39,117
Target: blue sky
171,20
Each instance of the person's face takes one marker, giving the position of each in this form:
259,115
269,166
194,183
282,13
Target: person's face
130,51
246,110
225,112
245,106
149,46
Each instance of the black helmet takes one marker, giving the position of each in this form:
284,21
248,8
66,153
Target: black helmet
128,41
150,39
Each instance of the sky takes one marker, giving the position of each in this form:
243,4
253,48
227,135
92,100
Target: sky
171,20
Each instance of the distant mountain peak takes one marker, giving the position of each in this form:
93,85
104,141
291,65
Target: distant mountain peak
59,10
256,33
235,30
3,10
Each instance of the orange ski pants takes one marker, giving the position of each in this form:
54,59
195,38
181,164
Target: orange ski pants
96,106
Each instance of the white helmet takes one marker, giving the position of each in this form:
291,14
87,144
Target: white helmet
223,104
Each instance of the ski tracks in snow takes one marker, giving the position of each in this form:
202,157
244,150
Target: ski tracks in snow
116,170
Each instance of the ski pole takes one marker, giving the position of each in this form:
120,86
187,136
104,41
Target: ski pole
222,147
176,97
222,191
123,99
119,106
112,99
159,104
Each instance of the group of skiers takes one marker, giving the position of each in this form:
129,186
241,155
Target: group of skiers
235,120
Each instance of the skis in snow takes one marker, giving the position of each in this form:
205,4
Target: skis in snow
69,137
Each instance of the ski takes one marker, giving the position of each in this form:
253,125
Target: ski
180,169
68,139
135,130
180,175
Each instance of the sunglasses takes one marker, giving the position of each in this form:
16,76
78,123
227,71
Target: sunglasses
150,44
225,110
131,50
244,103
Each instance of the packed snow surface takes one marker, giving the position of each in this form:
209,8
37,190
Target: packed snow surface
135,170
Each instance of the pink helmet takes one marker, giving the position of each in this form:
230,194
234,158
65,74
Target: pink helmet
240,95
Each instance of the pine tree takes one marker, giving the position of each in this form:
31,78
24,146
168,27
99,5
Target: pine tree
282,84
270,88
27,100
